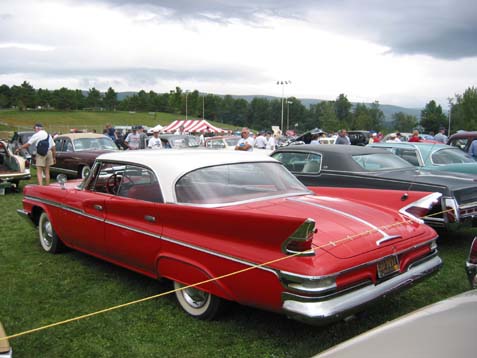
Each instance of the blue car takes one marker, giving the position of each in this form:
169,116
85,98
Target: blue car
432,156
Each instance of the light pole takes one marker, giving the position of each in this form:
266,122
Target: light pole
450,115
283,83
186,93
203,106
288,113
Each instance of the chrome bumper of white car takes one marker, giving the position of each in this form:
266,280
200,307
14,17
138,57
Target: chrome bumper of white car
323,311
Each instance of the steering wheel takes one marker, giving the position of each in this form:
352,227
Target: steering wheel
112,184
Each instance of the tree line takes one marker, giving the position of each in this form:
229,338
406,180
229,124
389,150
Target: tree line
259,113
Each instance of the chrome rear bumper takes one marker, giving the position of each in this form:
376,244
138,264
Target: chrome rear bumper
312,311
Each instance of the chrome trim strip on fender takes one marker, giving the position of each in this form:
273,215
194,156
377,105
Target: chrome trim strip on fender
339,212
321,312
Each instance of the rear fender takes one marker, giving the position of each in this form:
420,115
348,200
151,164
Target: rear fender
188,271
393,199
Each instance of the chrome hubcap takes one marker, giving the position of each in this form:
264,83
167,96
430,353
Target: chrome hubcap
47,233
195,298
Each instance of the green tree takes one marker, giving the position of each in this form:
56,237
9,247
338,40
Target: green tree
5,96
328,118
93,99
343,111
403,122
110,99
464,112
432,117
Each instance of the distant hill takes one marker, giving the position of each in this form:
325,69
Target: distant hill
387,109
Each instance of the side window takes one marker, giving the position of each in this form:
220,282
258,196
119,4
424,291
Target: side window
141,184
297,162
69,146
59,145
408,155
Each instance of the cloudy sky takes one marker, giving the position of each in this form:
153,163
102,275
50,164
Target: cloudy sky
404,52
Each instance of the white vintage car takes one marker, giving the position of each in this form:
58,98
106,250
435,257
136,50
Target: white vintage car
13,168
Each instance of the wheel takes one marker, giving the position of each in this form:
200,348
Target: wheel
49,241
199,304
84,171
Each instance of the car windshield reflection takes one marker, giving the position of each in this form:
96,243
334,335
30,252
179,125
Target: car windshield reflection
233,183
105,143
380,161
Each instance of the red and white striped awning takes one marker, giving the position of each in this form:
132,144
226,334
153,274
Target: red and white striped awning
192,126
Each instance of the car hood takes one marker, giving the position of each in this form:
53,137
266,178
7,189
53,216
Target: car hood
347,228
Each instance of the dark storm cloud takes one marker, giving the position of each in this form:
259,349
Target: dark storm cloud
439,28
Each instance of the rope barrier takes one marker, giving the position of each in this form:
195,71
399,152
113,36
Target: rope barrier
253,267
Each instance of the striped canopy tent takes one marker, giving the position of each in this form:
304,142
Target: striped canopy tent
192,126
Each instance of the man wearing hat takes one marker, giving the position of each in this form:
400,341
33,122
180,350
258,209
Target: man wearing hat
155,141
133,139
42,162
441,136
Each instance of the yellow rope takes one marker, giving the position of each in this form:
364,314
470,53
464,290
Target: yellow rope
77,318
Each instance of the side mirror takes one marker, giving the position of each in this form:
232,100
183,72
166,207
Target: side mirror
61,179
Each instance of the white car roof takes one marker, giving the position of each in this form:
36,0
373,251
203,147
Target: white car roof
171,164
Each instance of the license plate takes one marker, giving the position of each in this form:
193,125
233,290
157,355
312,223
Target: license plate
388,266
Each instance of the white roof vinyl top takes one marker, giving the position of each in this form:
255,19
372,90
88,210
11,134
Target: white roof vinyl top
171,164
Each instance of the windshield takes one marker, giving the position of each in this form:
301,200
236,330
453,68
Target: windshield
232,183
104,143
451,156
184,142
380,161
232,142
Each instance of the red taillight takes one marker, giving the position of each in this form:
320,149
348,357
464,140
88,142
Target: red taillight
27,164
473,252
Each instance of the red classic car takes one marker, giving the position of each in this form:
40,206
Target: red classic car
191,216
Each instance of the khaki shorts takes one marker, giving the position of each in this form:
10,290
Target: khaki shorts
43,161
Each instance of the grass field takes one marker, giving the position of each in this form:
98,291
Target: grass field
39,288
55,121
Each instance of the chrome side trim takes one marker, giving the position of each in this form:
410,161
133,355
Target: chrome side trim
321,312
339,212
147,233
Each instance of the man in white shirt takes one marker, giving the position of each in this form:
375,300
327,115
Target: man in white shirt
261,141
133,139
42,162
155,142
271,143
246,142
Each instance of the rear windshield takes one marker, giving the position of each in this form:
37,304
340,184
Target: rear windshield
380,161
238,182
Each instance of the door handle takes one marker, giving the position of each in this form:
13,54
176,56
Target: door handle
98,207
150,218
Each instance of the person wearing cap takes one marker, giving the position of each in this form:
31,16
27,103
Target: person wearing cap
393,138
155,142
441,136
374,138
42,162
133,139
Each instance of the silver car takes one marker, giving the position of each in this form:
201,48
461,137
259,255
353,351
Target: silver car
443,329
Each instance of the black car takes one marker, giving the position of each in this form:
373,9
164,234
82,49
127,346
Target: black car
360,138
363,167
